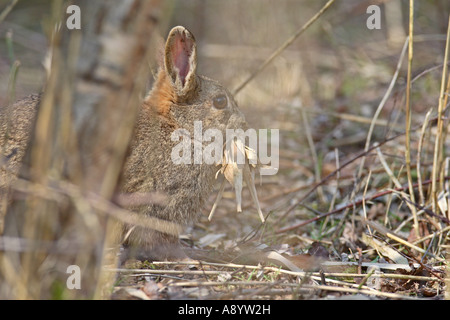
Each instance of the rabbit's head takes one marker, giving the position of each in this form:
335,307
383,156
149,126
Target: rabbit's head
182,96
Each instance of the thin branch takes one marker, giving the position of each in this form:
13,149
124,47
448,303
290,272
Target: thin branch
288,42
7,10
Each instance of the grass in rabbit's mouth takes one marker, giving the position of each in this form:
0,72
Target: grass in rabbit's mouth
236,174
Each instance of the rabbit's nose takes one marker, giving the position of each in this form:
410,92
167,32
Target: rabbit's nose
237,120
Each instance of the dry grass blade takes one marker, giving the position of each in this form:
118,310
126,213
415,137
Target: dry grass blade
418,160
382,104
387,169
218,198
313,153
239,164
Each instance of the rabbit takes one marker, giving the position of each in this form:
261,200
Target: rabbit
178,99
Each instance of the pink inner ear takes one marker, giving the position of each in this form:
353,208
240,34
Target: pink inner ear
181,51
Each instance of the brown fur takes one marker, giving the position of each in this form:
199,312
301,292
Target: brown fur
16,122
162,96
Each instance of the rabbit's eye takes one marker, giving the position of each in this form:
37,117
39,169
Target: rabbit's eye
220,101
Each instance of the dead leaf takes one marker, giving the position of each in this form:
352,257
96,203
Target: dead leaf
384,249
151,289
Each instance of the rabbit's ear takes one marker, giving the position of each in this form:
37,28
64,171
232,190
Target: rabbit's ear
181,60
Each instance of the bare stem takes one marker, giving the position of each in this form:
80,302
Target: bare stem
437,157
408,115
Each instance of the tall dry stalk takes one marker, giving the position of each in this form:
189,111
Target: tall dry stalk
439,141
439,147
408,116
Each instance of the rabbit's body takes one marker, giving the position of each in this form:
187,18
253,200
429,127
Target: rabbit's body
179,98
16,122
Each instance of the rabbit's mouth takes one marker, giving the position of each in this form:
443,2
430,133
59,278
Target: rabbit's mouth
237,121
239,164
